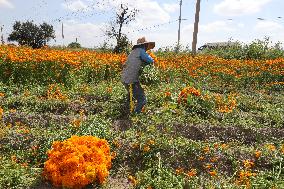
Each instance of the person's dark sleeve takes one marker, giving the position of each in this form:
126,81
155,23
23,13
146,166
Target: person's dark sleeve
146,58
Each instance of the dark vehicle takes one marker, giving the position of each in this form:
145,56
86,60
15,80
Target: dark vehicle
217,45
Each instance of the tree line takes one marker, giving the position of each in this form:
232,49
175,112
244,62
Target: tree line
37,36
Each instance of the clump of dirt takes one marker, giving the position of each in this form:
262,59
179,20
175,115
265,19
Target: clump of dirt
246,136
122,125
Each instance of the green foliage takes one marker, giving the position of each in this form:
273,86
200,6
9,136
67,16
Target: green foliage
151,145
15,176
200,106
28,33
74,45
258,49
160,178
105,47
150,75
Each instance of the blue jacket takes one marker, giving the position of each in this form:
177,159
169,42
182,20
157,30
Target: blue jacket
137,59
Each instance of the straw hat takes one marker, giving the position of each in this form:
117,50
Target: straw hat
143,41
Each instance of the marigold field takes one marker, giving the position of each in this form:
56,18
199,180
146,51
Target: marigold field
209,122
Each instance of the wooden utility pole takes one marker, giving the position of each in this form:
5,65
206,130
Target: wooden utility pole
2,37
62,34
195,32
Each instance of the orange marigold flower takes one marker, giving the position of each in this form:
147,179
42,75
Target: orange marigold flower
248,164
214,159
132,180
213,173
1,113
224,146
146,148
24,164
116,143
168,94
201,158
206,149
179,171
12,111
191,173
78,161
271,147
257,154
135,145
216,146
188,91
151,142
208,166
76,122
109,90
14,158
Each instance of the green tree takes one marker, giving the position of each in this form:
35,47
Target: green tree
28,33
124,16
74,45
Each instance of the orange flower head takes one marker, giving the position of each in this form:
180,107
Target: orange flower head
257,154
179,171
78,161
213,173
191,173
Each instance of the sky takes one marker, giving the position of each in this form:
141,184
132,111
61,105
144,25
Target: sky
86,20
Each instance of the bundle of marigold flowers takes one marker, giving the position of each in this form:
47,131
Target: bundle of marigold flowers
78,161
152,55
187,91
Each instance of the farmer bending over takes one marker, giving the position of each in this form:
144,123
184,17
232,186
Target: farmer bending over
136,61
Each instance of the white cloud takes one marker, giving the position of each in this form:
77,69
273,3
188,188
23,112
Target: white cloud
216,31
6,3
213,27
75,5
88,34
171,7
217,26
150,14
268,26
239,7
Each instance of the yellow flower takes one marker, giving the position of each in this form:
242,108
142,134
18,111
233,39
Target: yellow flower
12,111
146,148
271,147
132,180
116,143
109,90
248,164
76,122
151,142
